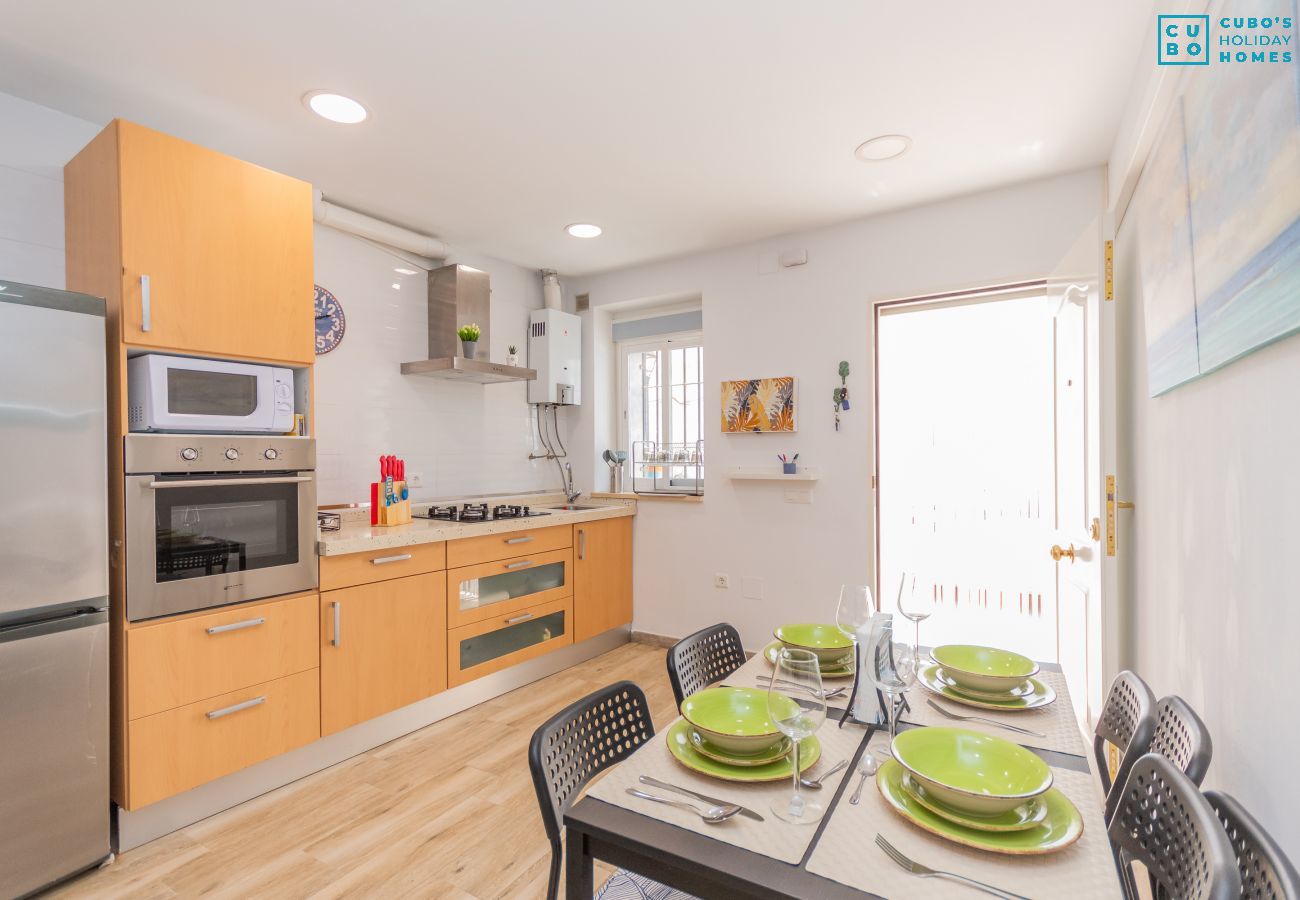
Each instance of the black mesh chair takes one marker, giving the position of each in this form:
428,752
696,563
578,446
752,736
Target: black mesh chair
1182,738
707,656
1163,822
576,744
1266,873
1127,720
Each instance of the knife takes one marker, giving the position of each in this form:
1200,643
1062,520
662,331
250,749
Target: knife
663,785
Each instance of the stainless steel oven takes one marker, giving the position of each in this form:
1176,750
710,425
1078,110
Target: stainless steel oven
212,520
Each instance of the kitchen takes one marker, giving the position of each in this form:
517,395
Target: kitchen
361,547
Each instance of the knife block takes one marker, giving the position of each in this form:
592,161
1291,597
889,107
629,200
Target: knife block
383,515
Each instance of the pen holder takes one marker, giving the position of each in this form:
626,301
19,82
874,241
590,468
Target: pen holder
789,468
384,514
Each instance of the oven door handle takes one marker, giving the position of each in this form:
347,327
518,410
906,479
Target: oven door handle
219,482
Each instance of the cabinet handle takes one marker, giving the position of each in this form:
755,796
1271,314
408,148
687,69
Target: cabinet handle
236,626
519,540
146,305
382,560
517,619
582,543
519,565
227,710
337,638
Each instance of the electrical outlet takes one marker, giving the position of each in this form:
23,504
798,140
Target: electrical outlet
415,480
721,581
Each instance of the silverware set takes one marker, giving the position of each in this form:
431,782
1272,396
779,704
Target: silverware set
948,714
824,694
714,801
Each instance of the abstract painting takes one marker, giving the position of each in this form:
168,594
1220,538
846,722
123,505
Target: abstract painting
758,405
1218,213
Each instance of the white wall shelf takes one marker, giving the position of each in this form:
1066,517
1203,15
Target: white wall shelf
758,473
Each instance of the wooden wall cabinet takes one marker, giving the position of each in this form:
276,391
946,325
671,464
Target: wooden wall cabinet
602,576
195,251
383,646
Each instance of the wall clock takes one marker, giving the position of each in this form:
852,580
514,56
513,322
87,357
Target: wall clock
330,321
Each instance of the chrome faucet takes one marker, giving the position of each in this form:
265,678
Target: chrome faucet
570,495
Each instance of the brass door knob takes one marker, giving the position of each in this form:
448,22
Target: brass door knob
1058,554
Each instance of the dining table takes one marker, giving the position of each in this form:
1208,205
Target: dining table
837,857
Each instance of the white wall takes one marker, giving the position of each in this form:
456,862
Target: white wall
1209,585
462,438
36,143
802,322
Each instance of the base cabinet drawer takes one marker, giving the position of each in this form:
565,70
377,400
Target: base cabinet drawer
381,565
174,751
491,547
486,647
170,664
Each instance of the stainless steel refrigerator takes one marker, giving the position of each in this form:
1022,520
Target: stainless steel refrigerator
54,749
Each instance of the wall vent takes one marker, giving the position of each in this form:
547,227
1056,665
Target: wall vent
539,329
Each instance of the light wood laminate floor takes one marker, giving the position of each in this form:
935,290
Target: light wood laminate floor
448,812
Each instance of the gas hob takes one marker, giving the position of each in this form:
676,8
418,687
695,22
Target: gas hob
479,512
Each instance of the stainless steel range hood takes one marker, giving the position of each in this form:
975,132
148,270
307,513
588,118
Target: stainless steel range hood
460,295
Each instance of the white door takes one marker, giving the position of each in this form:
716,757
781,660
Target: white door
988,459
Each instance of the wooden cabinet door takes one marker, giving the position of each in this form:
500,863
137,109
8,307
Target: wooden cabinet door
602,576
383,646
225,246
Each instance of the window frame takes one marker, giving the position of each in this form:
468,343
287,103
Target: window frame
662,343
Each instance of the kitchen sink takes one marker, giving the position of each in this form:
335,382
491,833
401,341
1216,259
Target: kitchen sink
574,507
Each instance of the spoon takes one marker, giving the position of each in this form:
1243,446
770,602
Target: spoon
816,783
867,767
713,815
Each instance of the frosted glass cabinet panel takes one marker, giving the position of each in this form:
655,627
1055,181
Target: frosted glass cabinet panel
495,589
502,641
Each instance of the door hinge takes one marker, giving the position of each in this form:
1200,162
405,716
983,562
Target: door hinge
1110,270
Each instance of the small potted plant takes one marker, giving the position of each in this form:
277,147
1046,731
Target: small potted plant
512,356
469,335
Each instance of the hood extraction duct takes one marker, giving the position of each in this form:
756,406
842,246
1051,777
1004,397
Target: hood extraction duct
427,251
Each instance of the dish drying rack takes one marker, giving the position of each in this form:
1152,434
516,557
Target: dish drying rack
668,468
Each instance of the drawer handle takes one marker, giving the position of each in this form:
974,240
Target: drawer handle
517,619
236,626
238,707
382,560
146,305
338,634
519,565
519,540
582,543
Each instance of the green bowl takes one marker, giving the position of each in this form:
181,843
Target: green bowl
984,668
972,772
830,645
734,719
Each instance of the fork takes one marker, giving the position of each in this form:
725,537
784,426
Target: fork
824,694
921,871
952,715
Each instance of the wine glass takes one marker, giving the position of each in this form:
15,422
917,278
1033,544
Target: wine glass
916,604
853,611
798,708
893,668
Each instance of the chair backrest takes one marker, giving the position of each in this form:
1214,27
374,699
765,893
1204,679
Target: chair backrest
582,740
1266,873
1163,822
1127,720
709,655
1182,738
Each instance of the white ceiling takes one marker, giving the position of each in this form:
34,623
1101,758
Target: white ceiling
677,125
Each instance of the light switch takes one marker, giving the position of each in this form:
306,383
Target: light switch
751,588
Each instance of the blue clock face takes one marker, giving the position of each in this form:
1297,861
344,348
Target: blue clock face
330,321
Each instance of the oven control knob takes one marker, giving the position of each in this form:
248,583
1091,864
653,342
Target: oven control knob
232,454
189,454
271,453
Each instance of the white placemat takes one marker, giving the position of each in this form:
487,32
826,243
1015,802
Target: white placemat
771,837
847,852
1056,720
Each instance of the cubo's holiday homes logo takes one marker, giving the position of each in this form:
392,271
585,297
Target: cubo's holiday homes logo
1186,40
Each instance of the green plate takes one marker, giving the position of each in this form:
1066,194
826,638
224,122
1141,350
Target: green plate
970,771
679,745
772,754
931,676
735,719
770,651
831,645
1017,693
1062,826
1026,815
984,668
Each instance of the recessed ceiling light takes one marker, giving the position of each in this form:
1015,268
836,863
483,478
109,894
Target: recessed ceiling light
886,146
583,230
400,271
336,107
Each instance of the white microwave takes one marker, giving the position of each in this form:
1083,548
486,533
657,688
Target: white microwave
184,394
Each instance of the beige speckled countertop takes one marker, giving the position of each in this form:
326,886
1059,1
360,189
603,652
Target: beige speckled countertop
357,535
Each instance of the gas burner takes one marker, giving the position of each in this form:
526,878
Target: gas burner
478,512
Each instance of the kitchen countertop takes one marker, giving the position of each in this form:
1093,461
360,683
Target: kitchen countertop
357,535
